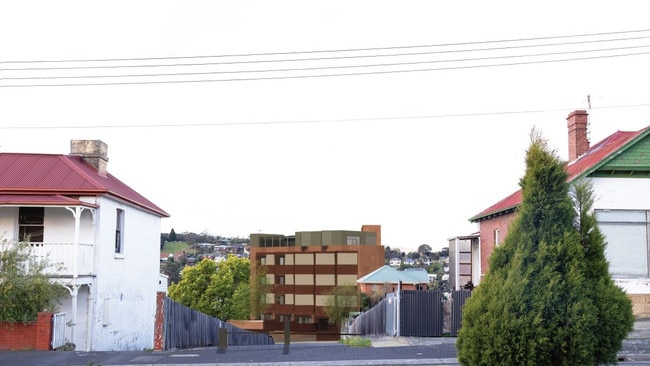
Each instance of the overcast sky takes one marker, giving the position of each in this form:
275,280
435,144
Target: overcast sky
413,115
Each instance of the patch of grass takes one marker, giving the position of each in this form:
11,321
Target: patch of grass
356,342
177,247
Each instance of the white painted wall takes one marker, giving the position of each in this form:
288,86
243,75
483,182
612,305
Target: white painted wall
125,289
619,194
9,223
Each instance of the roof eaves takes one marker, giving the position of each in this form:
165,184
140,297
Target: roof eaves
156,210
591,169
489,215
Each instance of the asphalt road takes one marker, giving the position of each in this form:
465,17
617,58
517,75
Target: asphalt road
384,351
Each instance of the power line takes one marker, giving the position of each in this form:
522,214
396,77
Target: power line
313,121
333,51
318,58
324,67
287,77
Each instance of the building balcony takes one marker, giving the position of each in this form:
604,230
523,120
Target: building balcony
65,259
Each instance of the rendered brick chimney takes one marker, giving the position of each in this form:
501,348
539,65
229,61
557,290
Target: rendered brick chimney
93,151
578,134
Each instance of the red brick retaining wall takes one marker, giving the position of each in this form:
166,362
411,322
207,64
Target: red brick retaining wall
19,336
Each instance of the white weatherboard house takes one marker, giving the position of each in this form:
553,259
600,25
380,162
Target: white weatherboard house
106,235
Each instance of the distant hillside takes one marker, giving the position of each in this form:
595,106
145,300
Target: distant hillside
176,248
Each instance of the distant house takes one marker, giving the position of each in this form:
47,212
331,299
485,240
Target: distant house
386,279
395,262
104,233
409,261
463,253
619,169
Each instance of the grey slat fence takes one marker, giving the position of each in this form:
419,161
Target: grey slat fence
374,321
421,314
185,327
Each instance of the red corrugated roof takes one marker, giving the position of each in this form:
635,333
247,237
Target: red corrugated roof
584,165
41,200
64,175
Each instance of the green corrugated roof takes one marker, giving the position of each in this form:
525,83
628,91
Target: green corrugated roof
388,274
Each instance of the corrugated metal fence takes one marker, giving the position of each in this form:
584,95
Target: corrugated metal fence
421,314
458,299
185,327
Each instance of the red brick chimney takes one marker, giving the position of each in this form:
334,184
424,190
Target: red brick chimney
578,138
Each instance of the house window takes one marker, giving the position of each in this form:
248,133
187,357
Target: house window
281,280
353,240
281,260
305,320
283,318
626,233
119,232
497,238
279,299
30,224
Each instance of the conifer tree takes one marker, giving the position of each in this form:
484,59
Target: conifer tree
543,299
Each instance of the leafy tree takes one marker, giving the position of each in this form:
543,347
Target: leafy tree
424,249
25,289
365,301
538,303
216,289
340,301
391,253
173,267
258,290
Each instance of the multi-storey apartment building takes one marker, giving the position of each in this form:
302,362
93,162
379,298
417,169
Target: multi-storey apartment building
302,269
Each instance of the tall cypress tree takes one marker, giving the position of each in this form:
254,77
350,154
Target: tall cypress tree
538,302
615,316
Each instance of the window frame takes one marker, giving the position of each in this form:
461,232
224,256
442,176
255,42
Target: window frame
620,219
26,227
119,232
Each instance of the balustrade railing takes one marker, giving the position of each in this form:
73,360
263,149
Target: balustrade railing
64,255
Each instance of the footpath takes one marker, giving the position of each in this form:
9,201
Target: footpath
384,351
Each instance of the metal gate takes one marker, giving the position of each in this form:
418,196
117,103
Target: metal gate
458,299
421,313
58,330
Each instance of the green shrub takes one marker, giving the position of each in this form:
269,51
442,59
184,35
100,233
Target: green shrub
25,289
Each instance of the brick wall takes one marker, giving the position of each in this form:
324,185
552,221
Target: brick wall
487,228
19,336
159,331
